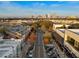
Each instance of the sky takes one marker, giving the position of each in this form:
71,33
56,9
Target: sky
28,8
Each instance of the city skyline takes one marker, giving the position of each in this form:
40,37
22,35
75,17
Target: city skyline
28,8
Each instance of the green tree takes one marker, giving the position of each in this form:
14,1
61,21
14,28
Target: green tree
74,26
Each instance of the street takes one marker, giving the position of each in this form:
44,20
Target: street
39,51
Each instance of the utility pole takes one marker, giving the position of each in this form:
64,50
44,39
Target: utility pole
65,37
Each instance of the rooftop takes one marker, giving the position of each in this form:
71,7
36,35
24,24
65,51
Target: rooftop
73,30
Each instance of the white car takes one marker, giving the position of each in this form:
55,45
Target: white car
30,55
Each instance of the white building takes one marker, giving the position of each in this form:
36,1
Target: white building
6,51
71,39
13,47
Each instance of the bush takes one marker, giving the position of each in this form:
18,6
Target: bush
3,31
74,26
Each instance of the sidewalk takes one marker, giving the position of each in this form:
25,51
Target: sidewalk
61,53
72,49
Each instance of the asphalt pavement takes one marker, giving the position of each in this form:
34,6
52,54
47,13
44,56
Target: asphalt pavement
39,50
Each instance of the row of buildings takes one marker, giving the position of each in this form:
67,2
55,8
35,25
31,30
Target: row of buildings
67,39
10,46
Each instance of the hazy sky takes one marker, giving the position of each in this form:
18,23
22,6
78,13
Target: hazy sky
25,8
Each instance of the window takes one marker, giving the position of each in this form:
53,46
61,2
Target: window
71,41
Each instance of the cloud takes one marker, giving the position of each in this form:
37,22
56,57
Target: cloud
39,4
55,5
13,9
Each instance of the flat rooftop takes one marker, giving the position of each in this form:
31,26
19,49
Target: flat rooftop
2,52
73,30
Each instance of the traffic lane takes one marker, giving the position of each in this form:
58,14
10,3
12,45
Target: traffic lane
39,39
39,53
